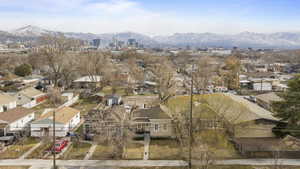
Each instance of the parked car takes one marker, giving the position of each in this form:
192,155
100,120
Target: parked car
7,140
60,145
15,135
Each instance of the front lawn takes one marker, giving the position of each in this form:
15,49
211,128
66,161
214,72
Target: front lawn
103,152
135,151
77,151
164,149
18,149
40,151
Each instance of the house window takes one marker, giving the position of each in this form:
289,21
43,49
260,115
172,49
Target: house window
156,127
5,108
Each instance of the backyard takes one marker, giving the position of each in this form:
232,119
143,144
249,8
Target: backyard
85,105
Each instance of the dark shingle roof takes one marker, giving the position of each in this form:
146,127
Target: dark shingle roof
151,113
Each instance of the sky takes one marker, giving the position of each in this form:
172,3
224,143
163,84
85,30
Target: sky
153,17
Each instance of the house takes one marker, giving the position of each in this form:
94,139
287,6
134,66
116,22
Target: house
30,97
265,100
3,128
32,80
66,119
244,119
262,86
111,100
261,68
153,120
17,118
7,102
87,82
251,127
142,102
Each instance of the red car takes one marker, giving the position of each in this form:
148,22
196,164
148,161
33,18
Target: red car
60,145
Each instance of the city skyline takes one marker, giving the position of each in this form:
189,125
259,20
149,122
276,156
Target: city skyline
152,17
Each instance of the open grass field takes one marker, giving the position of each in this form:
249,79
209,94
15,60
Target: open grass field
18,149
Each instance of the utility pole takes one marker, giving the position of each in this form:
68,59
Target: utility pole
191,120
261,85
54,140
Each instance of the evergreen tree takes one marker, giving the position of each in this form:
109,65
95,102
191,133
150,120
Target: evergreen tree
288,110
23,70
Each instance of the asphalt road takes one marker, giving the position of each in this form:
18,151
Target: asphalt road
36,164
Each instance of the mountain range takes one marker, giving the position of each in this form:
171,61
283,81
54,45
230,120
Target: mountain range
281,40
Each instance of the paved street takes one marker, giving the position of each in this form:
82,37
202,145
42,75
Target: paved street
42,164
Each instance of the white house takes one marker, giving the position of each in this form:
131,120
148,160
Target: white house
262,86
17,118
30,97
7,102
87,81
66,119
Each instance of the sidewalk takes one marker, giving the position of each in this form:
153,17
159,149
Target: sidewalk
91,152
146,146
30,151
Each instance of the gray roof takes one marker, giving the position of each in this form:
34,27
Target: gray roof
45,121
235,109
151,113
269,97
255,112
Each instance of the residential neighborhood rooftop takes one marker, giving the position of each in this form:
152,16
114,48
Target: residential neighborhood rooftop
151,113
15,114
62,115
269,97
31,92
5,98
254,112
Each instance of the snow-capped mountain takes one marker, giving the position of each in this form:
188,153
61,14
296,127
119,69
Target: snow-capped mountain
30,31
284,40
244,40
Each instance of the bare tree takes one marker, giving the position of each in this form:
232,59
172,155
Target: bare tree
163,73
53,54
180,123
95,65
112,127
69,70
203,73
232,72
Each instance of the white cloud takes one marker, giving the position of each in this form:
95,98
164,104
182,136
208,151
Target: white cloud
100,16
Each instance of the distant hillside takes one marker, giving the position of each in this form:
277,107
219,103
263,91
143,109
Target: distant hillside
281,40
